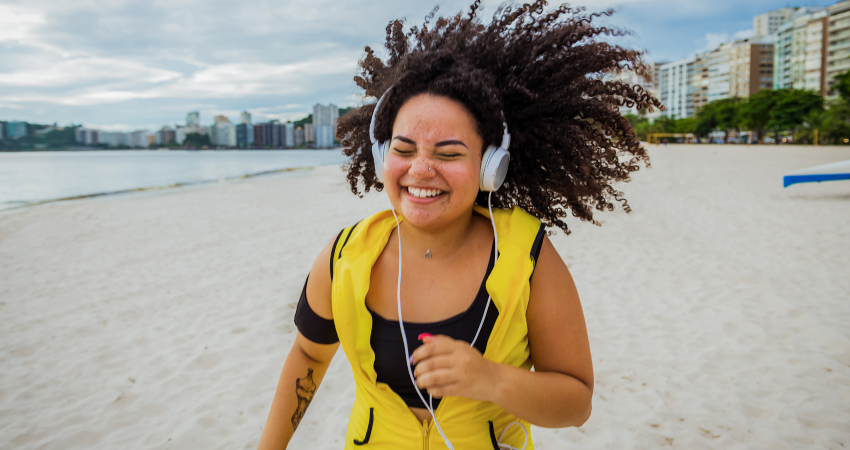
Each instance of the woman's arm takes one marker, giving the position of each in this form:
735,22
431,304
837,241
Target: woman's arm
558,393
305,365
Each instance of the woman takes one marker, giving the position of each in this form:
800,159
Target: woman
439,290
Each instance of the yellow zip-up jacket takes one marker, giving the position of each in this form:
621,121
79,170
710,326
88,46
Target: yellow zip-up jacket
380,419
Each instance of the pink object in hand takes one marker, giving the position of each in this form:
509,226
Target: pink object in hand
424,335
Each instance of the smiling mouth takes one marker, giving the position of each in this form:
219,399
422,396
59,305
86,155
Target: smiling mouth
423,193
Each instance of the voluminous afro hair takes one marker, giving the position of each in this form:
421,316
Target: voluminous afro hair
552,76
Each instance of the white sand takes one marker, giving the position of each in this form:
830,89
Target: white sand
718,312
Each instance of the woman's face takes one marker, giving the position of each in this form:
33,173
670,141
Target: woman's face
432,169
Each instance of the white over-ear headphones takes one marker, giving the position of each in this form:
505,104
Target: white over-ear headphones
494,163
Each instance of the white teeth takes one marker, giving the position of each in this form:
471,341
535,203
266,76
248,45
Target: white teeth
423,193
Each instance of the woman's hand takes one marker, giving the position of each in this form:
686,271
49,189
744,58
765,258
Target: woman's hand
445,366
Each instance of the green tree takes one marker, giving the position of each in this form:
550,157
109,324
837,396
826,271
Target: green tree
196,140
843,85
792,108
718,115
755,112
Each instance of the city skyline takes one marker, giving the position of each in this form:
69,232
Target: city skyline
132,65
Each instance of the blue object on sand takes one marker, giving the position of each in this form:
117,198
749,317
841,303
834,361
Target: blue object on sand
827,172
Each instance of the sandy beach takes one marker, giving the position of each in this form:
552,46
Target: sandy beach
718,311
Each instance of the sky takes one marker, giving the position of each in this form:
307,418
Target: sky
124,65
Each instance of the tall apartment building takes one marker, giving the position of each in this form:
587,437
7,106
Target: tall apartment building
299,136
324,135
288,138
325,114
193,118
740,68
223,132
309,132
245,117
15,129
769,22
837,33
807,51
674,83
243,130
179,134
138,138
699,80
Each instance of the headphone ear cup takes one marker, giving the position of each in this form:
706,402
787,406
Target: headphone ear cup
494,168
379,153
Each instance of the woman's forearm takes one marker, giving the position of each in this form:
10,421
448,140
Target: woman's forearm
300,378
545,399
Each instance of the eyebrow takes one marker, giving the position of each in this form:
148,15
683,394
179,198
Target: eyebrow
438,144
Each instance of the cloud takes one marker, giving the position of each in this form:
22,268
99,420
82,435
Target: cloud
18,24
712,40
86,71
744,34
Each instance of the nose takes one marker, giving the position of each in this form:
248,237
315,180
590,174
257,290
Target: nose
422,167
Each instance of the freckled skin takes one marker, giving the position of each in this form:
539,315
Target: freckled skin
427,120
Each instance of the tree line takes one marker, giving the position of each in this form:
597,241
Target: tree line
795,113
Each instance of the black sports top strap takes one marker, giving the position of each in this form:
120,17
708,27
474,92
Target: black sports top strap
538,244
333,250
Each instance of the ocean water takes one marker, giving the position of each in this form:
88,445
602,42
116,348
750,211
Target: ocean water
28,178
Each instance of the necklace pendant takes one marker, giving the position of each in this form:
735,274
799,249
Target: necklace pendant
428,254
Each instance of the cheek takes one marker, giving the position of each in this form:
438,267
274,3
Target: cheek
394,168
463,178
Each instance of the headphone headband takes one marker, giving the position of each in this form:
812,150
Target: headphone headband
375,114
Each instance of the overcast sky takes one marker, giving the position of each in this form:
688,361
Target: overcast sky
126,64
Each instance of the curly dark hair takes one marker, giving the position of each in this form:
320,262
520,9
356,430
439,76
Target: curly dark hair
550,74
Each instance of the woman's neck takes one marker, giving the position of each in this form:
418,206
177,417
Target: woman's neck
442,242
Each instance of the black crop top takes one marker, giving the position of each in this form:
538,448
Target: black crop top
390,365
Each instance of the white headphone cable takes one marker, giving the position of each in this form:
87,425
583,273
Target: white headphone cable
430,405
404,340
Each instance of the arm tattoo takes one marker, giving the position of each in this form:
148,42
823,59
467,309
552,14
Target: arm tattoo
305,389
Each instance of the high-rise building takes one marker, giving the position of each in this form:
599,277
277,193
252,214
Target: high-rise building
795,42
138,139
245,117
299,136
699,80
309,132
675,88
243,131
325,114
807,61
740,68
259,135
838,44
86,136
179,134
16,130
165,135
288,138
768,23
193,118
324,136
223,133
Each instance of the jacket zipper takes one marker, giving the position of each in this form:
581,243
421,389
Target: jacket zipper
425,435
